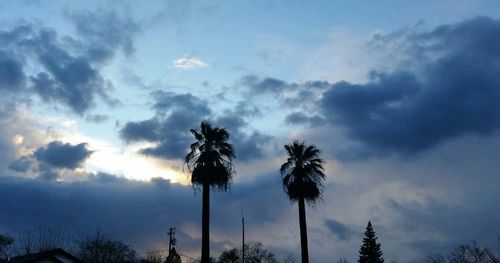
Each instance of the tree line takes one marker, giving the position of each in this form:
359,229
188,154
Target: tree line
100,248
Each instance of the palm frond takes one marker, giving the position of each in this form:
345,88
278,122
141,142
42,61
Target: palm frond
303,172
210,157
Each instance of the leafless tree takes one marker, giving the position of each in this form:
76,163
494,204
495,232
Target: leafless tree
5,243
43,239
472,253
155,256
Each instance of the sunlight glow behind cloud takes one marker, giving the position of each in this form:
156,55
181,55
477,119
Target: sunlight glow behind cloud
111,159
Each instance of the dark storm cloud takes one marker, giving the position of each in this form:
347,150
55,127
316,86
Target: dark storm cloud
246,146
447,87
63,76
64,70
63,155
342,231
250,147
176,115
455,94
137,212
146,130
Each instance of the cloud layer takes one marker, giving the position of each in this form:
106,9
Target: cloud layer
454,93
64,70
176,114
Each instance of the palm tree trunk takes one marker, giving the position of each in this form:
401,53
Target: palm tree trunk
303,231
205,228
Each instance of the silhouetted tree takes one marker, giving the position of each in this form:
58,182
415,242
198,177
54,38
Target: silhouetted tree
5,242
43,239
173,257
303,177
370,251
342,260
230,256
472,253
210,163
153,256
101,249
255,253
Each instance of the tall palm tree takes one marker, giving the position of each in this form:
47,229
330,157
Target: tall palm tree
210,163
303,177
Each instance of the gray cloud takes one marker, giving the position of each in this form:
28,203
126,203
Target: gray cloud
97,118
453,94
246,146
63,155
106,201
11,72
245,109
433,217
169,101
302,118
176,114
104,31
22,164
290,94
64,70
14,123
146,130
447,88
342,231
258,85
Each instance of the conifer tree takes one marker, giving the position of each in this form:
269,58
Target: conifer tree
370,251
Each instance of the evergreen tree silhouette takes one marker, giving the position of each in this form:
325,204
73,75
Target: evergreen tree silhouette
370,251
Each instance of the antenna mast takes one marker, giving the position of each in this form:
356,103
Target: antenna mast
242,234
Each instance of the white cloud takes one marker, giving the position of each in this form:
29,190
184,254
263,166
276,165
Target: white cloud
189,63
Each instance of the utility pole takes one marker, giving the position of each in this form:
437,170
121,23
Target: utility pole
172,240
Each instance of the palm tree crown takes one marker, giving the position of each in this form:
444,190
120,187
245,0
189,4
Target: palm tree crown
303,172
210,157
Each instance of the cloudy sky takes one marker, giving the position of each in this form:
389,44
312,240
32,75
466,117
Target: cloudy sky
402,97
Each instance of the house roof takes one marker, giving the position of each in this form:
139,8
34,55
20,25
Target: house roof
55,255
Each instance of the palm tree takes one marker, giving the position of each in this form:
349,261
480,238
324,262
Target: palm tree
210,163
303,177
